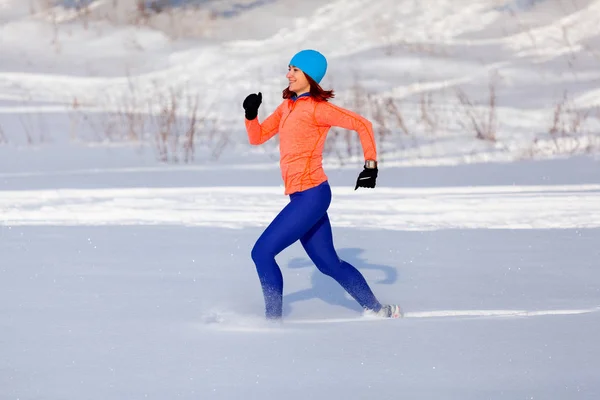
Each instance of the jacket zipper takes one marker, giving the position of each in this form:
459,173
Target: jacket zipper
286,118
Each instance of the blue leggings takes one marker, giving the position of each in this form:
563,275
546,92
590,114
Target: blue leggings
305,218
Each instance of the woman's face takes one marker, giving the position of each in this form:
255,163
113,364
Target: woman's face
297,81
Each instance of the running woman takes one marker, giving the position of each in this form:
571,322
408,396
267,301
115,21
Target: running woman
302,121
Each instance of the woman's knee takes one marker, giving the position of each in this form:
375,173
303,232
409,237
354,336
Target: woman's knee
261,251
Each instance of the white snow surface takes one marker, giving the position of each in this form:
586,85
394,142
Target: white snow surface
138,283
124,277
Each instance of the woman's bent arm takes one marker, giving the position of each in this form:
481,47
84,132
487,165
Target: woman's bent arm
259,133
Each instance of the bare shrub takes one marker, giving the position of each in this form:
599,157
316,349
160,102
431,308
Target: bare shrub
390,128
170,120
569,122
394,111
176,126
571,131
426,114
483,123
190,131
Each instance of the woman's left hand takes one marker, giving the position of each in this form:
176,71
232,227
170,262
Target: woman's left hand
367,178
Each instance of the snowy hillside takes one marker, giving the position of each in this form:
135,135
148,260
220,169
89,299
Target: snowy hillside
454,82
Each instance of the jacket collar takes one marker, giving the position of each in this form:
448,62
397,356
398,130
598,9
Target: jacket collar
294,98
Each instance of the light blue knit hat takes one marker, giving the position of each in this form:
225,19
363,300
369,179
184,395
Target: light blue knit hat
312,63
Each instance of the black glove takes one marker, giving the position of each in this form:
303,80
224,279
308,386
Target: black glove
367,178
251,104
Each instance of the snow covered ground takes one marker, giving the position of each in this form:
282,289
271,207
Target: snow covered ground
172,312
124,277
138,284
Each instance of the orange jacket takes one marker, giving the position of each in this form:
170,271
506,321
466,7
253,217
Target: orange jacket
302,125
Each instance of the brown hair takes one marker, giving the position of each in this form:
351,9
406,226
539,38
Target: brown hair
316,91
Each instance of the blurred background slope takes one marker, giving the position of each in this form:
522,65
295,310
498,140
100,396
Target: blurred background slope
443,81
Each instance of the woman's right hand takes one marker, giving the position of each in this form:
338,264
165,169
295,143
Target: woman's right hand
251,104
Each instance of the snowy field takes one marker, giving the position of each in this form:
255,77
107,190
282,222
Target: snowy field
125,277
149,292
